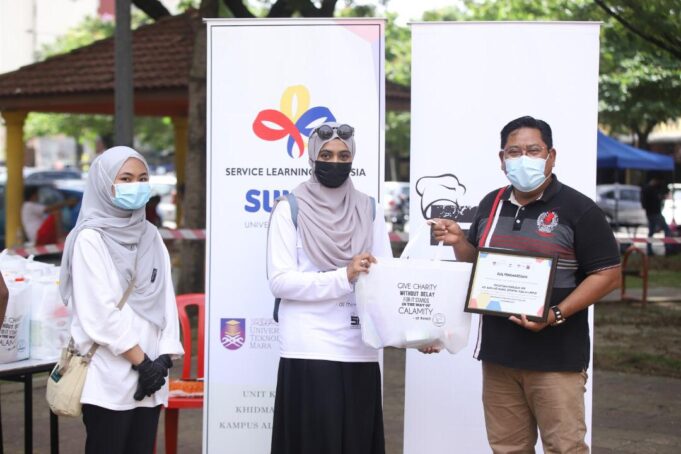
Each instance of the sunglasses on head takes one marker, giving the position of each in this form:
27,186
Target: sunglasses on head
325,132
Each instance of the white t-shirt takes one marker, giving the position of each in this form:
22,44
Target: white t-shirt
32,217
317,315
110,381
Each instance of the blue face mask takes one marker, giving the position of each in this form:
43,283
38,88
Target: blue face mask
131,196
526,174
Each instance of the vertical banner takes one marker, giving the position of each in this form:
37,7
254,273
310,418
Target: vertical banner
270,83
468,81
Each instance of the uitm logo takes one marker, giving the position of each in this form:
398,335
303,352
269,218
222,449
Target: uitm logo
291,123
232,333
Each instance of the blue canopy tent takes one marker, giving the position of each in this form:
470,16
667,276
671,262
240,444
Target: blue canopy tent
612,154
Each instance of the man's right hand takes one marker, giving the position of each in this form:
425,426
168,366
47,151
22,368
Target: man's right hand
448,231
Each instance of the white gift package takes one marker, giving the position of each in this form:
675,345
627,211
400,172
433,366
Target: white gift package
414,303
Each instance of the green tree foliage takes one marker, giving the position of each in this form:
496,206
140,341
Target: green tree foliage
398,70
397,52
640,82
90,30
656,22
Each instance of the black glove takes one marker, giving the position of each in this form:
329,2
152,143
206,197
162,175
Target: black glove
165,361
151,377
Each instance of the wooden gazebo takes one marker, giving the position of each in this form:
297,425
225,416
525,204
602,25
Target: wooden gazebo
82,81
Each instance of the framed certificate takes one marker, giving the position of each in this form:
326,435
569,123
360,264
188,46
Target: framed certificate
508,282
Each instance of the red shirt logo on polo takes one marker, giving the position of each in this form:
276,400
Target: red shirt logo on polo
547,222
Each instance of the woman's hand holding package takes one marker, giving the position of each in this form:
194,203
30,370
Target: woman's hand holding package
359,264
151,375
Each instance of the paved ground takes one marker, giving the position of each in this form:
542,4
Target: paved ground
656,294
636,414
632,414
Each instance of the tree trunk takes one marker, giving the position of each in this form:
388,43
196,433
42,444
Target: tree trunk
79,153
194,203
642,135
643,140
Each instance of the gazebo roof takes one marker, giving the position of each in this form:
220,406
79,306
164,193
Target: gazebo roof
82,81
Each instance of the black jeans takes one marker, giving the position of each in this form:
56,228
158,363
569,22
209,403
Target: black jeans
656,222
120,432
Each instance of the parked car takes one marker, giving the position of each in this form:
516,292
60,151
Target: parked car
621,204
396,203
49,176
671,208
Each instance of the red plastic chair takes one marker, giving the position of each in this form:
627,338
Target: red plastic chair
175,404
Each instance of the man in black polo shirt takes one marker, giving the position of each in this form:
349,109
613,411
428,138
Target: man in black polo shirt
534,373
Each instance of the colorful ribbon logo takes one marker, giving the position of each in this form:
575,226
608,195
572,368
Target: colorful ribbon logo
296,124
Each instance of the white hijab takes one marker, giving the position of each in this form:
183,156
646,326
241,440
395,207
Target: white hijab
132,242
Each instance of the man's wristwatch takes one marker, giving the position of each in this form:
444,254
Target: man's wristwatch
559,316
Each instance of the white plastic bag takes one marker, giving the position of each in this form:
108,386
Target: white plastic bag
37,323
50,317
15,331
414,303
12,266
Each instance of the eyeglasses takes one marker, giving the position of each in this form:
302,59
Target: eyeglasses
325,132
532,151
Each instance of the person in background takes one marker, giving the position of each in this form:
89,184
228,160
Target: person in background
534,374
112,249
652,198
151,210
42,223
328,397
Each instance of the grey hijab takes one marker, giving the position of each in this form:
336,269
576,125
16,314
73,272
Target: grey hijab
132,242
334,224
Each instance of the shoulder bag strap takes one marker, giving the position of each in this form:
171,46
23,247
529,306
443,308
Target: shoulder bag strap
492,217
124,299
293,204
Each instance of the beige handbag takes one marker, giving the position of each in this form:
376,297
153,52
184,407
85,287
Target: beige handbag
65,383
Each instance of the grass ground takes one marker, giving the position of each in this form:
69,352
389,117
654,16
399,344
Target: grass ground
633,338
663,271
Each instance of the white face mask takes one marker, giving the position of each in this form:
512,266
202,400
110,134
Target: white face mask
526,174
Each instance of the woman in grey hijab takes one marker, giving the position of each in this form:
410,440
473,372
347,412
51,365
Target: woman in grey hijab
321,237
114,254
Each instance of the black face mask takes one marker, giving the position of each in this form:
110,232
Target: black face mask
332,174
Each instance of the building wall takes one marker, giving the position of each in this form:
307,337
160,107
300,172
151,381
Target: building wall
27,25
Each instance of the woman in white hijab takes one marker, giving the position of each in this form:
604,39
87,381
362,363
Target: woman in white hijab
113,249
329,384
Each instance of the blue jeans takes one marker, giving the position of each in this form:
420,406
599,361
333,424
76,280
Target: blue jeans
657,222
